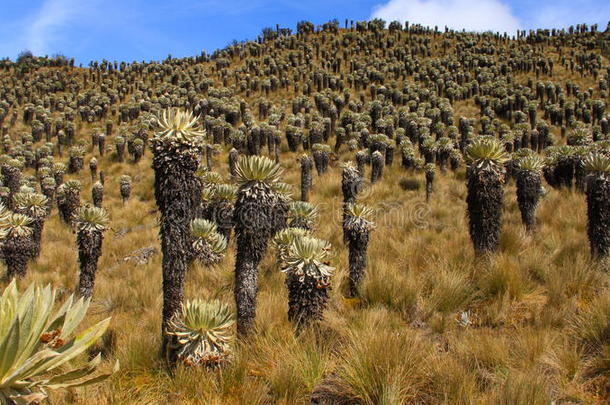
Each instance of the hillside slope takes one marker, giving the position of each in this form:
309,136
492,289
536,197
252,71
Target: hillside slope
434,324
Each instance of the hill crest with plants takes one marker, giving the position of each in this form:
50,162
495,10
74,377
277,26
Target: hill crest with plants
381,213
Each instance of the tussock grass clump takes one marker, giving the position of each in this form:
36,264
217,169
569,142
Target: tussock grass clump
410,184
379,367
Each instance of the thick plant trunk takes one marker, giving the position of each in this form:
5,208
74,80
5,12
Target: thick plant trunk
17,251
377,162
259,213
137,154
177,192
485,199
306,166
254,142
408,162
598,212
377,147
321,159
351,185
48,192
37,227
222,215
580,174
339,139
120,152
307,300
75,164
125,192
246,290
358,241
97,195
89,252
233,157
564,173
550,175
428,155
12,179
454,162
429,184
443,158
209,157
389,155
174,266
528,195
101,144
293,139
362,158
271,143
67,206
59,178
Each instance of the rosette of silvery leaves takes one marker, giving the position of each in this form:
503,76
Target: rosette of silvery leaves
307,257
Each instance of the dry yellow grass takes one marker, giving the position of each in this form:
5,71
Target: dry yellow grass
481,331
435,325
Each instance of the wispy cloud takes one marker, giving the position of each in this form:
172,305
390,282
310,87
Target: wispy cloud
563,13
472,15
50,21
74,26
218,7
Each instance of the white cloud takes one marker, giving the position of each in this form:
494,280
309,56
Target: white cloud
472,15
71,25
563,13
48,22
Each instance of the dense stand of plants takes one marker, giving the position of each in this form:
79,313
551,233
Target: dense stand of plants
492,113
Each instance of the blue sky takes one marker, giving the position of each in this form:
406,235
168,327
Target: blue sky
152,29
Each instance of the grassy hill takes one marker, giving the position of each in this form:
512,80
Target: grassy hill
434,323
